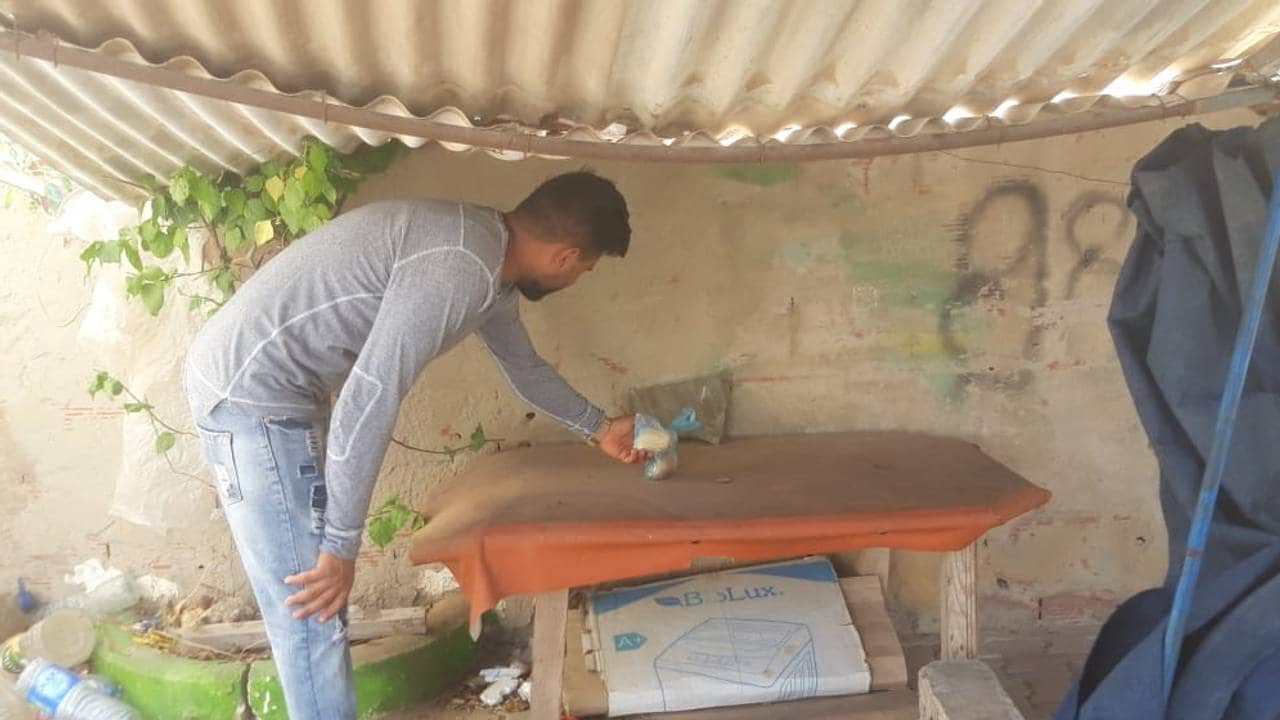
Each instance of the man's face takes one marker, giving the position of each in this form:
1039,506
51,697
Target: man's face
557,269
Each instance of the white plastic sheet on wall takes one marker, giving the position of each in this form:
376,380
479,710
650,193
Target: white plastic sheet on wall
164,491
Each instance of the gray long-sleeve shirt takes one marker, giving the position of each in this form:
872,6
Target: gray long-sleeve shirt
359,307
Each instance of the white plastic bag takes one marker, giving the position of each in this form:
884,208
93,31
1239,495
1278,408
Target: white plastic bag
650,436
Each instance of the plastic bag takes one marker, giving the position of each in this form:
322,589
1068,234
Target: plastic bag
708,395
650,436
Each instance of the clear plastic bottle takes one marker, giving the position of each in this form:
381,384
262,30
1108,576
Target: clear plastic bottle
107,598
102,685
86,703
65,637
60,693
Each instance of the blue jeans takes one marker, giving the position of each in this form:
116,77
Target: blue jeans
270,478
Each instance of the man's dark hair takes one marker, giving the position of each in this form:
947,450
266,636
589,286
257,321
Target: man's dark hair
583,209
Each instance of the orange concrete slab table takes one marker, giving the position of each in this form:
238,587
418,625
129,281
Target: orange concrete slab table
541,520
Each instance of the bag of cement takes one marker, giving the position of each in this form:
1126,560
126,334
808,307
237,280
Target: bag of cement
650,436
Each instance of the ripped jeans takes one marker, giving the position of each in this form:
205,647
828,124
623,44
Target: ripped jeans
270,478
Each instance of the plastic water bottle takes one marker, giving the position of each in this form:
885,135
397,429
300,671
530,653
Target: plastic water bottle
12,706
85,703
60,693
103,686
111,596
65,637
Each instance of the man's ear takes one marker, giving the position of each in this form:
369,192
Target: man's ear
565,256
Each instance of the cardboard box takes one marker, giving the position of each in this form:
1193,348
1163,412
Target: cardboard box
768,633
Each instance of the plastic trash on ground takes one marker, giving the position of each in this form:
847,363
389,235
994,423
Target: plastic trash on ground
63,695
503,682
26,601
652,437
515,670
499,691
11,660
106,591
104,686
65,637
157,590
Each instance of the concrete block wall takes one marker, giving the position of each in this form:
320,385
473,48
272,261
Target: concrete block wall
962,293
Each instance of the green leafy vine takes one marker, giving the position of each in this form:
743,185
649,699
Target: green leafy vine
477,441
243,217
166,434
275,204
393,515
387,520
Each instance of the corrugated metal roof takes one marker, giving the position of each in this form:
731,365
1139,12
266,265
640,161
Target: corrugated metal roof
672,72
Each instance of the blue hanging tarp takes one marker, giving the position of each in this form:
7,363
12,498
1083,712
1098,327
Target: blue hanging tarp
1200,199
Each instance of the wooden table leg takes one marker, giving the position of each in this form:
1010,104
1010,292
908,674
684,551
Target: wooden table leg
874,561
550,612
960,604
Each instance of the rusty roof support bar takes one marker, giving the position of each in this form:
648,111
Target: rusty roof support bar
52,50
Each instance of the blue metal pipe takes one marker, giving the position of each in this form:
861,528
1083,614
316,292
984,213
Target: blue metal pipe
1227,409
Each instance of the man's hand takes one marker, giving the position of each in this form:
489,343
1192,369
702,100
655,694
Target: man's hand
616,439
325,587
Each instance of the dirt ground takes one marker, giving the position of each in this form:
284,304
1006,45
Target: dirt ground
441,711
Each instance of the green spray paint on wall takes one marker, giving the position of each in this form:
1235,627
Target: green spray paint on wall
904,284
762,174
909,263
947,386
910,266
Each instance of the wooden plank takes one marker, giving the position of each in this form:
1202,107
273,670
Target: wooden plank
448,612
879,638
959,605
963,690
252,635
584,691
900,704
550,615
874,561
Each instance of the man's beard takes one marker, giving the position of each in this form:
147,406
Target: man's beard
533,290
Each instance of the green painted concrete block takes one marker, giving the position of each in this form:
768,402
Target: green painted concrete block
391,673
161,686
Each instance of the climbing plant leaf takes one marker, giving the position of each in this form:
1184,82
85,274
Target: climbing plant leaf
274,187
152,297
263,232
165,442
388,520
280,200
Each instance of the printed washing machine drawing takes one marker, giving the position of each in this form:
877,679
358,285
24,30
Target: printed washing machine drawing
735,654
